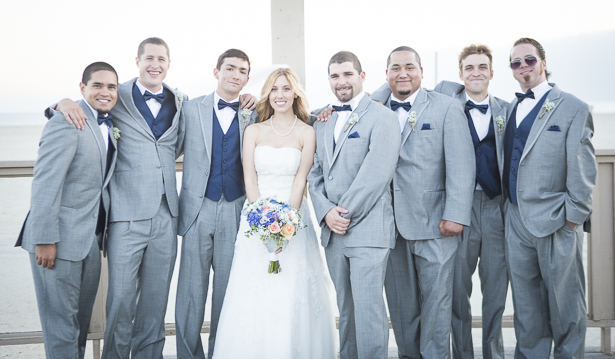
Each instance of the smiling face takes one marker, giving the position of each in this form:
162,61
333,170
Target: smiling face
100,91
528,76
345,81
232,77
476,73
282,95
153,65
404,74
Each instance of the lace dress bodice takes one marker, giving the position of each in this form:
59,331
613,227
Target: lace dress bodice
276,169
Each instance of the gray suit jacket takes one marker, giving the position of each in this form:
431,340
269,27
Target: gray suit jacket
196,122
557,170
357,175
436,171
143,162
67,186
498,107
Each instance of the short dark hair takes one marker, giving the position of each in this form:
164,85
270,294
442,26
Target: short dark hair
404,48
153,41
346,56
95,67
475,49
537,45
233,53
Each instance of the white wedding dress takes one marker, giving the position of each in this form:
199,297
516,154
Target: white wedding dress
288,315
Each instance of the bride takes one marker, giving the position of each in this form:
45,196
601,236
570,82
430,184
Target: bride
289,314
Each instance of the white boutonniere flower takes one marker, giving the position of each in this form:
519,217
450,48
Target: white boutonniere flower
546,107
180,98
116,134
500,120
245,115
353,119
412,119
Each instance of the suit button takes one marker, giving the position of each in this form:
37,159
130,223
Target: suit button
330,178
225,150
224,161
94,215
201,196
514,158
515,147
517,136
224,172
226,139
157,166
206,173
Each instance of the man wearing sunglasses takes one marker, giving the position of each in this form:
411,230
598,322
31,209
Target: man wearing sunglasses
548,177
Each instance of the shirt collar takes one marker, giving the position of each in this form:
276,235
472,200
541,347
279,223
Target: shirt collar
483,102
217,99
541,89
94,112
409,99
354,103
143,89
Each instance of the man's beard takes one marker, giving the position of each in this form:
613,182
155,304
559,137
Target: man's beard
405,92
526,78
345,98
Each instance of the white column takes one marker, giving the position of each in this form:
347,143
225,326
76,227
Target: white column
288,35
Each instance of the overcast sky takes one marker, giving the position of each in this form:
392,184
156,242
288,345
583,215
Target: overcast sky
47,44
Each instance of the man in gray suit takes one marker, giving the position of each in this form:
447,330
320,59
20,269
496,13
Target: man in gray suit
548,176
485,237
350,189
65,228
211,199
433,185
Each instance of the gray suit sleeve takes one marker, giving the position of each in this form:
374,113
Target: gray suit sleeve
460,166
181,134
376,172
581,167
55,154
322,205
382,94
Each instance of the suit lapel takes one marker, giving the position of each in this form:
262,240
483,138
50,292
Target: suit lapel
420,103
540,123
125,95
93,126
206,118
177,111
359,111
496,111
329,133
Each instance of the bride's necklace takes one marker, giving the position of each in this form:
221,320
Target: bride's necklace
287,133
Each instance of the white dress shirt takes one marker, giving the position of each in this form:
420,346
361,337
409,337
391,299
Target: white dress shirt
154,105
402,114
481,122
525,107
343,116
104,130
226,115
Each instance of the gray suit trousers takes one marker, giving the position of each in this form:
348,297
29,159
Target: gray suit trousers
209,243
548,288
141,262
65,295
418,285
485,239
358,276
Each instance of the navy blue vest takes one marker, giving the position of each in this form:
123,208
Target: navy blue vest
226,172
164,120
514,143
487,171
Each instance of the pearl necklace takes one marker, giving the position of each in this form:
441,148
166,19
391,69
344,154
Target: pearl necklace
287,133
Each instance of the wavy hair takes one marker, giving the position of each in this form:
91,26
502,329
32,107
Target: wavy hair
300,104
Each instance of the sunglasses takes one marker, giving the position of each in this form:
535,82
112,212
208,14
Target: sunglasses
529,60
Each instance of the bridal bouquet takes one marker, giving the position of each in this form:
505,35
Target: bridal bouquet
275,223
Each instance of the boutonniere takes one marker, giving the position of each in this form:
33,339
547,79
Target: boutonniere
116,134
353,119
245,115
180,98
412,119
500,122
546,107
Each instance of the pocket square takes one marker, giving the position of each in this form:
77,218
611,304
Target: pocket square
426,126
554,128
355,134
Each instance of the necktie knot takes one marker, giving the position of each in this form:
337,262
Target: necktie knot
148,96
471,105
222,104
342,108
405,105
105,119
523,96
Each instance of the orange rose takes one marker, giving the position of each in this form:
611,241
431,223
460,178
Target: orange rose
274,227
288,230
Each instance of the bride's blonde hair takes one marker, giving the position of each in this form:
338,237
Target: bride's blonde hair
300,104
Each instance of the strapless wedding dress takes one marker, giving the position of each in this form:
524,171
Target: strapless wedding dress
288,315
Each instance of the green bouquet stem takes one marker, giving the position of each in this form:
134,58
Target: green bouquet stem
274,267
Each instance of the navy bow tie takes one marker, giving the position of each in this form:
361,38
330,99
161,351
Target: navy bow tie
482,108
148,96
523,96
222,104
405,105
106,120
342,108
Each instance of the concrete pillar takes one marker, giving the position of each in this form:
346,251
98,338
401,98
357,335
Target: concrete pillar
288,35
